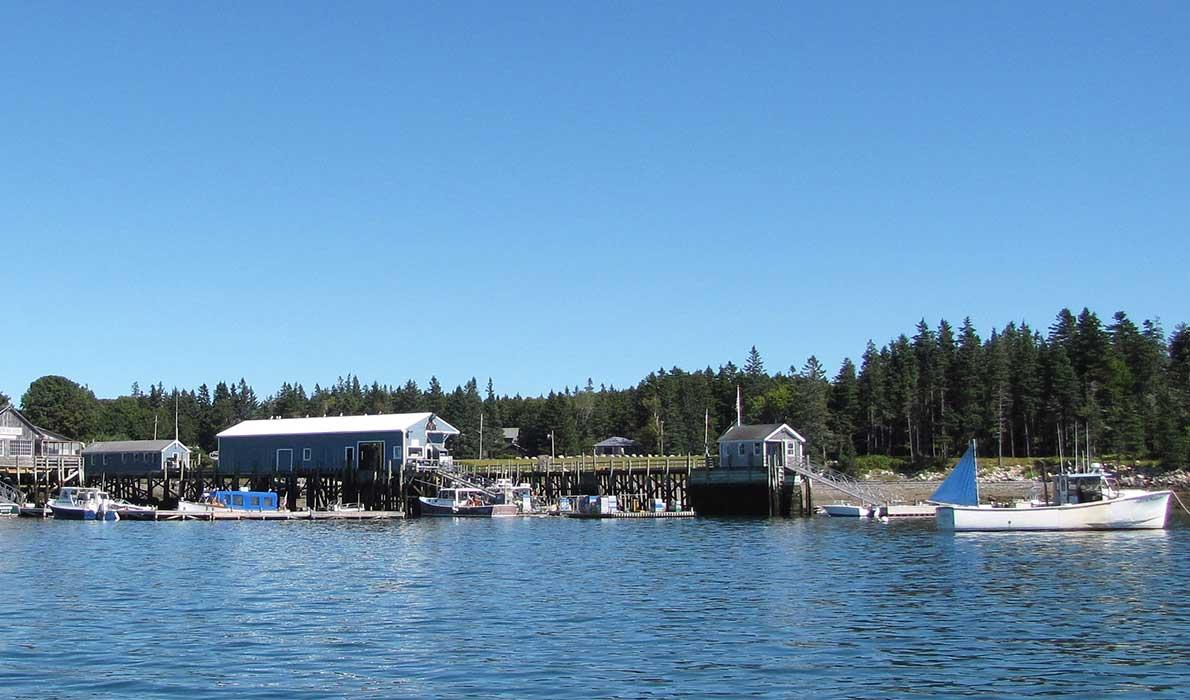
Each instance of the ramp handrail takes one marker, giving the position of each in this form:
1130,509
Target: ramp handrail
868,495
11,494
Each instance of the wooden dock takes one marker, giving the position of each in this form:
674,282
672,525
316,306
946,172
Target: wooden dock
173,515
646,514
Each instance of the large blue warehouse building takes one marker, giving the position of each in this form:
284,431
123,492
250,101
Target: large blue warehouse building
331,444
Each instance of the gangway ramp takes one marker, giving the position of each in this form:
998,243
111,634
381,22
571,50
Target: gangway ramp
11,494
865,493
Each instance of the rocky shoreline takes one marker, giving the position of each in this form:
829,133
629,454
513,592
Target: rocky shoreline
1007,484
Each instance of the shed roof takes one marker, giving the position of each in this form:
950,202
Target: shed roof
616,442
756,432
379,423
130,446
512,434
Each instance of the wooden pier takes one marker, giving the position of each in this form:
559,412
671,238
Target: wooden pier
635,481
170,515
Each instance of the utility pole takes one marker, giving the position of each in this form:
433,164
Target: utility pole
481,435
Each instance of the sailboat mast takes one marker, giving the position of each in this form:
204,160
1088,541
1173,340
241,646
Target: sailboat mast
975,455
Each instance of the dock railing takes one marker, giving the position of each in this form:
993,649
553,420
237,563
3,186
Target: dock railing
866,493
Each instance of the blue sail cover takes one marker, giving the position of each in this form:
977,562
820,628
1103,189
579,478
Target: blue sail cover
960,488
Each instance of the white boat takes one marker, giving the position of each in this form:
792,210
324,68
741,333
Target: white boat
1083,500
464,502
77,503
7,508
846,510
520,495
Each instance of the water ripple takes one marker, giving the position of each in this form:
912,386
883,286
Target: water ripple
625,609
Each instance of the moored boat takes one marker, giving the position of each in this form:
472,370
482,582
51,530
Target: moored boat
462,502
78,503
223,500
1089,499
846,510
1084,501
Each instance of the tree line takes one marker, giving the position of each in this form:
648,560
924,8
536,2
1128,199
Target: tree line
919,398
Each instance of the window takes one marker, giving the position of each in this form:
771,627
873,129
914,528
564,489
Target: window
256,500
757,448
743,449
237,500
305,454
396,453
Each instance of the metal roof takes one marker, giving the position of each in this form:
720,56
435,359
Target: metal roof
130,446
379,423
756,432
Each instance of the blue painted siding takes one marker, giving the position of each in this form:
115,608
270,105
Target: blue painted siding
327,452
123,463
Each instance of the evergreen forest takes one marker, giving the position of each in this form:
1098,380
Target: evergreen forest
914,401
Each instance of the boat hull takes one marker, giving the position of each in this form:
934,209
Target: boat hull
9,509
492,510
846,510
1140,512
67,513
919,510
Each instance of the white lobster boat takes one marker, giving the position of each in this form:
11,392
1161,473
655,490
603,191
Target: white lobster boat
77,503
1083,500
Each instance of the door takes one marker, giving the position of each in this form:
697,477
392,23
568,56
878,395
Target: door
371,456
285,460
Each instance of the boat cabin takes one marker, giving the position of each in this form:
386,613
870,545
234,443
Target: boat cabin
244,500
1084,487
463,496
79,496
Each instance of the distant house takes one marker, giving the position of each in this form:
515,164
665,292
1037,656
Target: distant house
136,457
617,446
512,440
23,444
775,444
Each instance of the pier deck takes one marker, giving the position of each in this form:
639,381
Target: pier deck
268,515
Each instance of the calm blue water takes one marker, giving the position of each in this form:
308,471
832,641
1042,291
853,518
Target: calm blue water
560,608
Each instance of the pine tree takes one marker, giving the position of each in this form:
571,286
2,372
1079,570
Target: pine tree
844,399
872,402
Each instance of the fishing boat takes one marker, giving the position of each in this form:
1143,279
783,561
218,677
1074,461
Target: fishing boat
7,508
1089,499
77,503
520,495
464,502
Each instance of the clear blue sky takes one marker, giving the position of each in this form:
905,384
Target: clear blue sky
547,192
